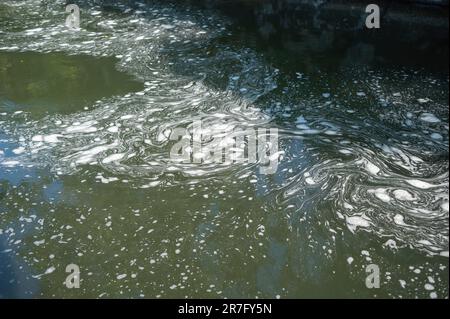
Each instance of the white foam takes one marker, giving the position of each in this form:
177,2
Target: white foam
354,222
39,242
37,138
107,180
152,184
127,117
391,244
372,168
399,220
113,129
51,138
345,151
401,194
113,158
301,120
429,287
303,127
437,136
19,150
31,31
381,194
429,117
420,184
10,163
88,155
50,270
87,127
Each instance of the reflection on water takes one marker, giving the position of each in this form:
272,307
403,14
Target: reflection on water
362,175
55,83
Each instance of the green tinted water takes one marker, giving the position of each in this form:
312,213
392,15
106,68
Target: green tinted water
42,84
86,176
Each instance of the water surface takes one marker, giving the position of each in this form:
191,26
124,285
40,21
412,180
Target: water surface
87,178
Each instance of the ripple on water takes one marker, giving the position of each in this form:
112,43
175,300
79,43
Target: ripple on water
365,159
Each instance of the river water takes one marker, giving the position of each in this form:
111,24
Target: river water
86,176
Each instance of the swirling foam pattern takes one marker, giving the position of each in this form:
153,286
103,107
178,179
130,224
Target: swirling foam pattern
363,165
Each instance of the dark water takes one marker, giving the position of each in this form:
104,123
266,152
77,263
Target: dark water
86,175
42,84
